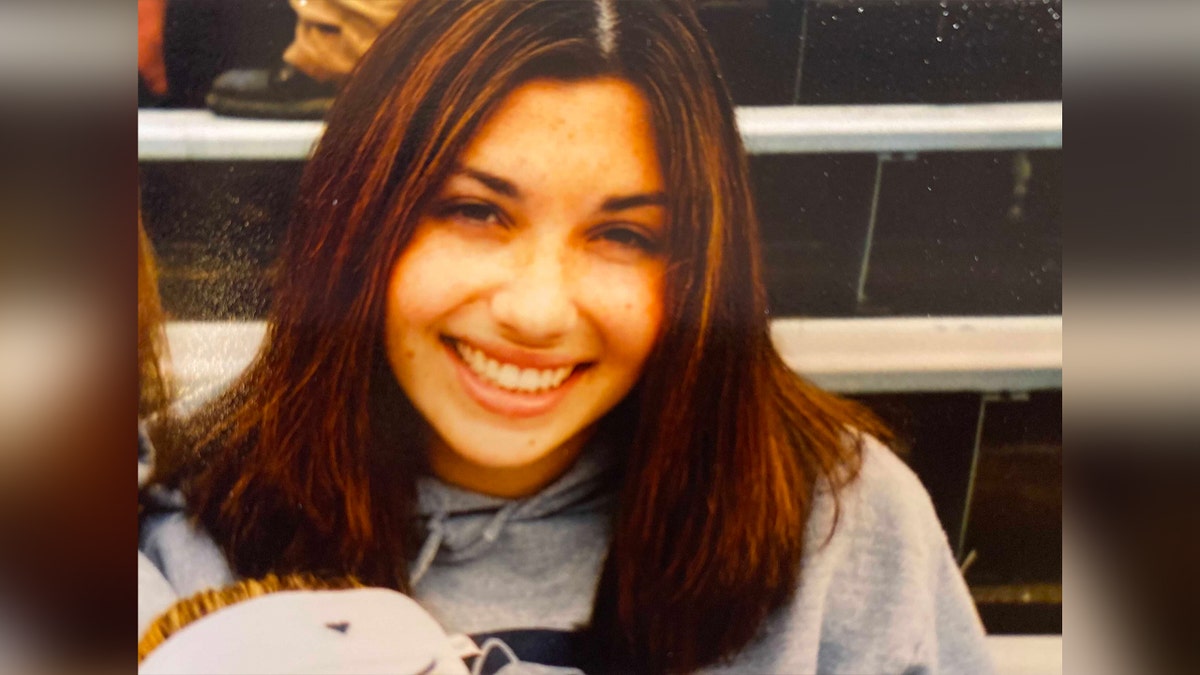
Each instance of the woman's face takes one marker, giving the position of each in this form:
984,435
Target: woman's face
531,294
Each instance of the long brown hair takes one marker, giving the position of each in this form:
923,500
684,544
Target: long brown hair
154,391
309,463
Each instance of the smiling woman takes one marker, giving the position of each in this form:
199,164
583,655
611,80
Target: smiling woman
530,296
519,366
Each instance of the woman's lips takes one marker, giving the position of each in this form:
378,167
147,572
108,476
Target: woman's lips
493,398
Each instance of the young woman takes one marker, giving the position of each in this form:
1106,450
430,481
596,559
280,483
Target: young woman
519,367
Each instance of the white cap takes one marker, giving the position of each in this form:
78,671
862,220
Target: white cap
365,630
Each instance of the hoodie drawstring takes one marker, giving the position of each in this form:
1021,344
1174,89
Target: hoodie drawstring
437,537
485,650
492,532
429,549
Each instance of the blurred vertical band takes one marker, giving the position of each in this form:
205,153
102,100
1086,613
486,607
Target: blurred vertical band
68,186
1132,304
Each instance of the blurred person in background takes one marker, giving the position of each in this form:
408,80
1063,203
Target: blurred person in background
185,50
154,396
152,68
331,36
154,391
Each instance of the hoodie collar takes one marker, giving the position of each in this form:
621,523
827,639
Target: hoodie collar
578,485
455,531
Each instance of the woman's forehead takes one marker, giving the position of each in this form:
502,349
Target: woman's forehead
596,129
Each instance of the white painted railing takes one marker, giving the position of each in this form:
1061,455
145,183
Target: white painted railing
173,135
986,354
1026,654
901,128
899,354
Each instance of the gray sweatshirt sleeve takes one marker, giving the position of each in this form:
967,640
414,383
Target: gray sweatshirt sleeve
955,643
881,595
951,637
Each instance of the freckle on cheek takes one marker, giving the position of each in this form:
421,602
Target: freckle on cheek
409,354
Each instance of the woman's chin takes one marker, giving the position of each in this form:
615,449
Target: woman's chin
504,464
498,455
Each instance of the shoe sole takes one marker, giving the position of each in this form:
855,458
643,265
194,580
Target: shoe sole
312,109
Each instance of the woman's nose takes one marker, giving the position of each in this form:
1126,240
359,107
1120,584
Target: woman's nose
535,307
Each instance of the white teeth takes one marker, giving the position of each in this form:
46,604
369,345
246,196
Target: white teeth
508,376
530,380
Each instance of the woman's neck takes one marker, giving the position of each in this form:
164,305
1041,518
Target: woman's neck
509,482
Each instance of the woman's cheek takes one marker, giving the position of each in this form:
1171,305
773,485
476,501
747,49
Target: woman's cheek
630,302
432,276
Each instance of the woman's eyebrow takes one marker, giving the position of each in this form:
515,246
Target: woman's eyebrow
613,204
491,181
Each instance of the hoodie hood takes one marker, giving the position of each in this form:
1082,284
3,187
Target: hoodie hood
461,525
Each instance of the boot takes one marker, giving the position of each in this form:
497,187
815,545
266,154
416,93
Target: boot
280,93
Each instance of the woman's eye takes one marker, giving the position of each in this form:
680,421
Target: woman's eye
475,213
631,238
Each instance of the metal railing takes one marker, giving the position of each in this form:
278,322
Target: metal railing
199,135
859,356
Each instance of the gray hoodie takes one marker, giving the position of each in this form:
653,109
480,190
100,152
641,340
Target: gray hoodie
883,595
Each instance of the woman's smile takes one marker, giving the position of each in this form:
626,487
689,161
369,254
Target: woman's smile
516,384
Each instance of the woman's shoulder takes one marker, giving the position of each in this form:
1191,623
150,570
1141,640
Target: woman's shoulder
890,592
887,499
879,590
879,533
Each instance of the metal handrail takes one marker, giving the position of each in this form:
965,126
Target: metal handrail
870,355
199,135
924,354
